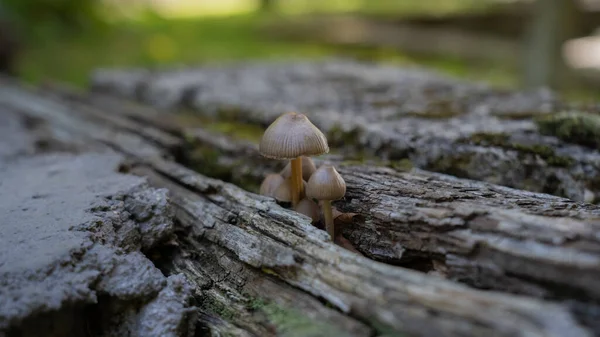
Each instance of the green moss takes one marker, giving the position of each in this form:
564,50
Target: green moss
205,160
403,165
337,136
546,153
290,322
489,139
574,127
440,109
432,114
384,330
516,115
503,140
356,157
229,112
457,165
352,162
269,271
213,305
236,130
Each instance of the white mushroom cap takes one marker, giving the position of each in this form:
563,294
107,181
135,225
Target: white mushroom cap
326,184
292,135
308,168
308,208
270,184
283,192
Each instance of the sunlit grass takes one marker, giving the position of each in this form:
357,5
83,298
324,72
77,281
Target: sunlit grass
203,8
139,37
152,41
158,42
155,42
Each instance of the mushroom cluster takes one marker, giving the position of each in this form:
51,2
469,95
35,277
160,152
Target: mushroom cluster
293,137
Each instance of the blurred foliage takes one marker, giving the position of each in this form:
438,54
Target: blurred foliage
382,7
152,41
40,16
88,34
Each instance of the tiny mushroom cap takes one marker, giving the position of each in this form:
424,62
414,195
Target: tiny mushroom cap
326,184
292,135
308,208
308,168
270,184
283,192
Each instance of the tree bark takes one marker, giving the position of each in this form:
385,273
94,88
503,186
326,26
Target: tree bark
434,123
263,270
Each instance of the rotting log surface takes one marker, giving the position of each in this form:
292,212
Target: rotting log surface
439,124
238,247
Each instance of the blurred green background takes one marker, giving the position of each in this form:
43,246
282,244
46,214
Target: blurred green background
66,39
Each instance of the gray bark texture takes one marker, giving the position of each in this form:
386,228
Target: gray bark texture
526,140
73,232
439,255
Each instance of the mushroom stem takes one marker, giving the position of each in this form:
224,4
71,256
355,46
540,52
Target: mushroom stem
328,214
297,184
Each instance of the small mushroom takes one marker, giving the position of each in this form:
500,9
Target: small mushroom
270,184
283,192
308,208
292,136
326,184
308,168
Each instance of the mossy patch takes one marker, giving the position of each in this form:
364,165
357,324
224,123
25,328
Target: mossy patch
431,114
545,152
403,165
489,139
213,305
384,330
205,160
516,115
243,131
440,109
573,127
290,322
458,165
503,140
338,136
236,130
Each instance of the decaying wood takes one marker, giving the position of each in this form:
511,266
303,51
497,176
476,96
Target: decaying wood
438,124
256,265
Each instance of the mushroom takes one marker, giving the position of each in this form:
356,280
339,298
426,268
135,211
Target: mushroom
270,184
308,168
292,136
283,192
309,208
326,184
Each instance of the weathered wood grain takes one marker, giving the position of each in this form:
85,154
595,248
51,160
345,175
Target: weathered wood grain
479,233
545,248
440,124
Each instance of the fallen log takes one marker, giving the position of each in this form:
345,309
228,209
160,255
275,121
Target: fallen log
236,247
438,124
72,235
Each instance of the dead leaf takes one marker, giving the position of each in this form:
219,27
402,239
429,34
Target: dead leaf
344,218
